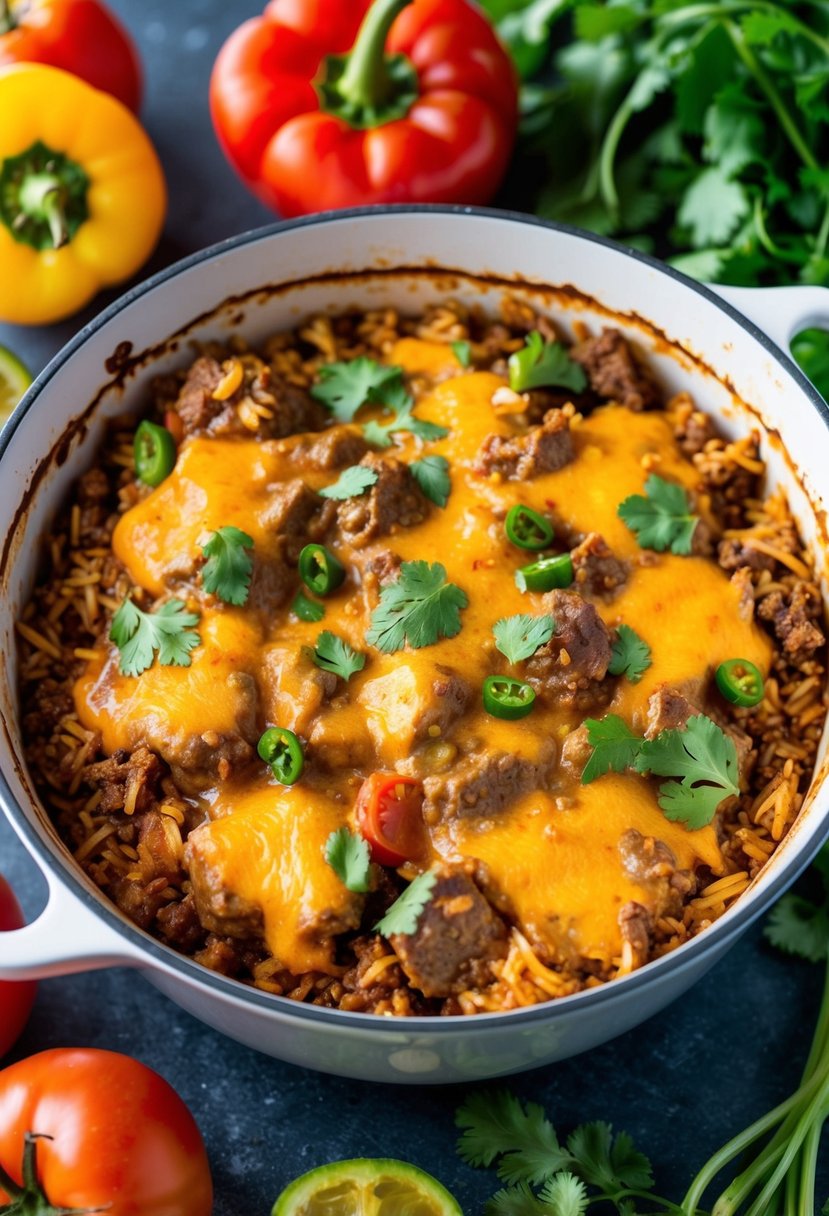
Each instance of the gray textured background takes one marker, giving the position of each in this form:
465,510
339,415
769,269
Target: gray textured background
681,1084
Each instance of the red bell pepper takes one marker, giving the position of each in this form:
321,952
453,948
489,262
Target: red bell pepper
323,104
81,36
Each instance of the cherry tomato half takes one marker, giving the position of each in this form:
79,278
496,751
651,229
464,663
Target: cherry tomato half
111,1135
16,997
390,817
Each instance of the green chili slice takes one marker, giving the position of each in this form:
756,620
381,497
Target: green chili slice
740,682
505,697
528,529
155,453
282,750
545,574
319,569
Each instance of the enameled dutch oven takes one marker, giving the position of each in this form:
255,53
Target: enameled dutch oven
732,361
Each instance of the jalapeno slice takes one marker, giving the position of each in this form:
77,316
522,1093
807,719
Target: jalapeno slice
282,750
505,697
545,573
154,452
740,682
527,528
320,570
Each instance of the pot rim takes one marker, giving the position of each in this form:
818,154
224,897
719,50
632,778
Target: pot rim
165,958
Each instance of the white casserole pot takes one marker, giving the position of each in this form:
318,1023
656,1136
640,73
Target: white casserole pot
406,258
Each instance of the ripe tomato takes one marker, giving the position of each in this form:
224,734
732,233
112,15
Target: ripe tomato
120,1137
390,817
15,997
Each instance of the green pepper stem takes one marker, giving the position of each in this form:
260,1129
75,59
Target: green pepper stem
29,1199
7,21
366,80
41,198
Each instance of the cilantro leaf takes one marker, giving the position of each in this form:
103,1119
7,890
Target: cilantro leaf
798,926
712,207
345,387
631,655
518,637
333,653
307,609
228,568
515,1201
351,483
704,759
396,397
348,856
614,744
420,607
564,1195
462,352
138,634
661,518
432,475
496,1124
541,363
608,1162
403,915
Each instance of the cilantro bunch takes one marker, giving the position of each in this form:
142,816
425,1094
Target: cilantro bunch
695,131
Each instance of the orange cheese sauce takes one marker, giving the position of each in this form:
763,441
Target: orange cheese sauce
553,856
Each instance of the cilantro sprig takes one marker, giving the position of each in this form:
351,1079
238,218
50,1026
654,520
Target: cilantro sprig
405,912
519,637
631,655
540,364
348,855
306,608
661,518
432,475
615,747
351,483
229,565
419,608
397,398
346,387
140,635
462,351
333,653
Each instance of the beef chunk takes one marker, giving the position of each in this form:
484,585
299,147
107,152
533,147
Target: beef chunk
413,703
179,924
198,760
126,777
395,500
542,449
571,667
669,709
637,929
484,783
595,570
336,448
220,909
298,515
693,429
377,569
733,554
613,371
650,862
139,901
196,406
793,618
457,936
289,408
294,689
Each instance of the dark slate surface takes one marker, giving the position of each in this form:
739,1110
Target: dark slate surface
681,1084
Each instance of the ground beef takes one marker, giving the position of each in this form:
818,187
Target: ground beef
651,863
458,934
298,515
733,554
45,705
482,784
159,848
595,570
140,902
336,448
793,618
613,371
542,449
636,927
394,501
570,669
290,409
693,430
179,924
123,773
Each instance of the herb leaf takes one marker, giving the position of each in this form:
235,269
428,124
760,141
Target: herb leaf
307,609
228,568
518,637
403,915
139,634
432,475
420,607
631,655
662,518
700,753
462,352
396,397
614,744
333,653
497,1124
541,363
564,1195
348,856
351,483
800,925
607,1161
345,387
515,1201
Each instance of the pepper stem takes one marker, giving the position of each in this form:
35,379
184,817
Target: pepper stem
41,198
29,1199
366,80
7,21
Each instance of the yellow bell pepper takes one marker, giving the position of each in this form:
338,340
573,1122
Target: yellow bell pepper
82,194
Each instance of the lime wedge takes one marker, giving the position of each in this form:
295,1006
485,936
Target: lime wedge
366,1187
14,380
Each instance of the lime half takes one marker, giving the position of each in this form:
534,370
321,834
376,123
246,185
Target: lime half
366,1187
14,380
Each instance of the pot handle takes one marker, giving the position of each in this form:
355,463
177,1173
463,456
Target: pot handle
780,312
67,937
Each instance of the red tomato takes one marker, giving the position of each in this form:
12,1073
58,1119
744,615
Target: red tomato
390,817
121,1138
15,998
